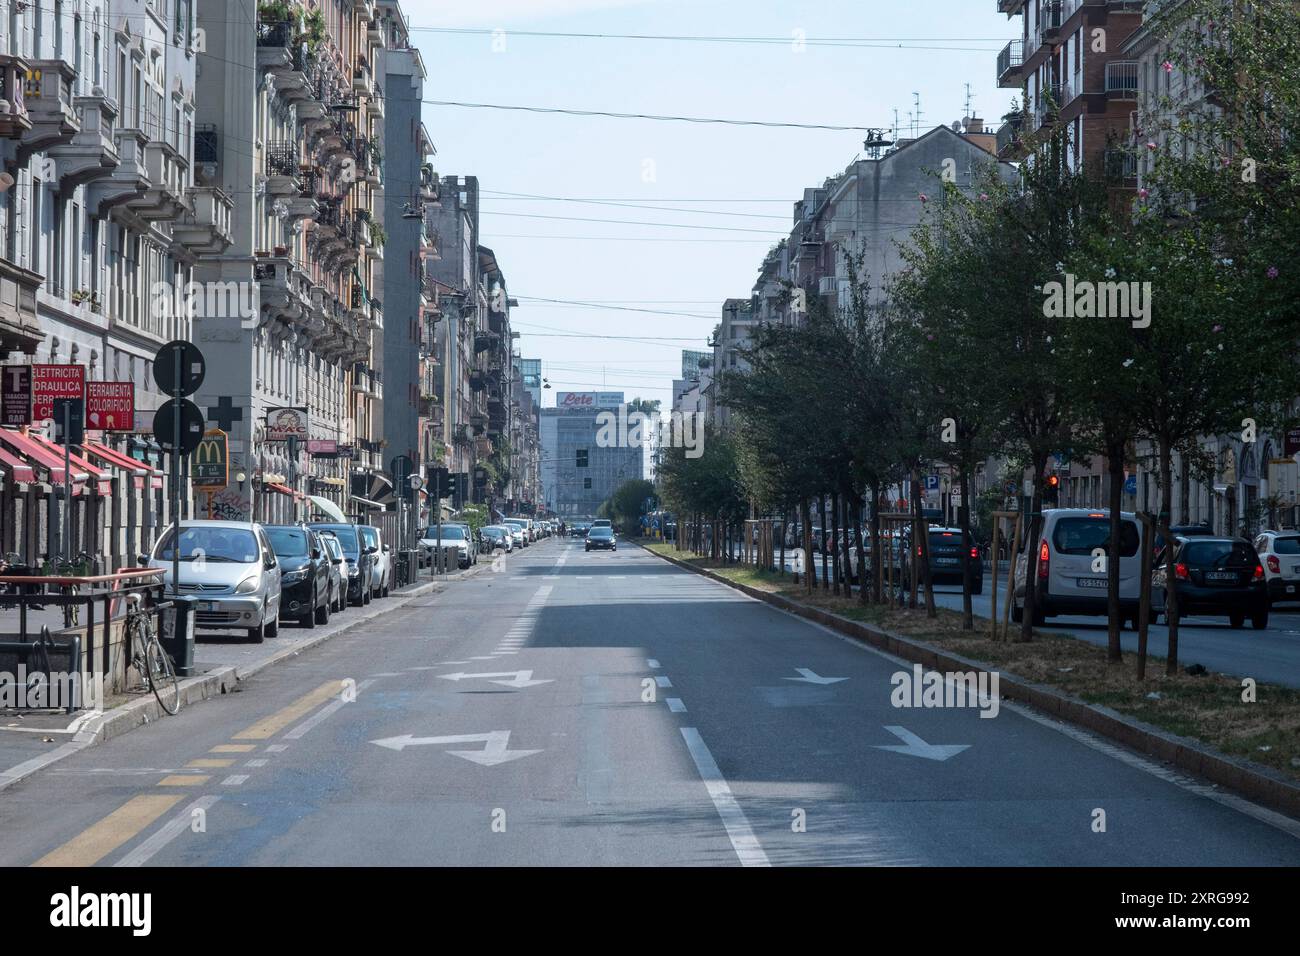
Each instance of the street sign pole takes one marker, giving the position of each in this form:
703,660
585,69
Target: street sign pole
67,482
177,395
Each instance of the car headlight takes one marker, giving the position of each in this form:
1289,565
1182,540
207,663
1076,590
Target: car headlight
293,577
354,571
247,586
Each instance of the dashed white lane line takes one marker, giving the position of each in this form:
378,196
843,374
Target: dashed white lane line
234,780
748,849
260,762
167,832
276,748
663,681
652,664
675,705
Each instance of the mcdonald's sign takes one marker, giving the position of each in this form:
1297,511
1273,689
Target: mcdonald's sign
211,462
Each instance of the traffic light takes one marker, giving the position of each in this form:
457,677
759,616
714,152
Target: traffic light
1052,489
582,458
439,484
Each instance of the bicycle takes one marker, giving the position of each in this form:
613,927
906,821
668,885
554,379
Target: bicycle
64,567
39,668
149,658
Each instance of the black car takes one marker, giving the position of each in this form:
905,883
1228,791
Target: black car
361,561
946,558
1214,576
601,539
304,573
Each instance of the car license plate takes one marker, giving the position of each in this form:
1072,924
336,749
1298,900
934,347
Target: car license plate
1295,569
207,605
1290,589
1092,582
1220,575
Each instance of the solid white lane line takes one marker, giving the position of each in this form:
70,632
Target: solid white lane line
748,849
675,705
169,831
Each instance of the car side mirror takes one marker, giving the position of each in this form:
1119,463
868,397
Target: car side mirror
371,550
271,564
141,560
387,549
315,554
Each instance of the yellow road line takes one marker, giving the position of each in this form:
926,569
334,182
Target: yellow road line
270,726
96,842
233,749
184,780
210,762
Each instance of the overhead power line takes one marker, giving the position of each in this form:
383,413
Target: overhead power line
876,43
646,116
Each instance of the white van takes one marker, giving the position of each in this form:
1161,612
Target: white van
1073,549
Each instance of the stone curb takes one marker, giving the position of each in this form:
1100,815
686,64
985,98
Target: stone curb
1261,784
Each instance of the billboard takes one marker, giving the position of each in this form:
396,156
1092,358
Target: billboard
17,394
110,406
588,400
285,423
55,381
211,461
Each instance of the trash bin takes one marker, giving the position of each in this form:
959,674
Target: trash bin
177,637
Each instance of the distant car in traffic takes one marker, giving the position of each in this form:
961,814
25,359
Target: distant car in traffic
1213,576
382,578
1280,553
361,560
1073,555
338,571
601,539
305,588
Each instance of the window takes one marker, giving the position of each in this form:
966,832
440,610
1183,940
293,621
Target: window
1081,536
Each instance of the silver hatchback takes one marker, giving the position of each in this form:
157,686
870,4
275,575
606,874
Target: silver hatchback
230,568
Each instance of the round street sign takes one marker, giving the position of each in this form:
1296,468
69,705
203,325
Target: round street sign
401,467
193,368
191,425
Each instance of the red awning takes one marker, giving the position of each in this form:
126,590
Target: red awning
284,489
139,470
21,471
34,451
103,480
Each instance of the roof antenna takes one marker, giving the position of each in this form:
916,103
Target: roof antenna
970,103
916,119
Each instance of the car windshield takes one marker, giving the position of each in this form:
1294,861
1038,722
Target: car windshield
211,544
601,533
370,536
347,539
1287,545
332,546
1084,535
450,532
1217,554
288,542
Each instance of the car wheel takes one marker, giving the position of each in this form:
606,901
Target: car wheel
323,613
1236,619
257,634
978,588
309,619
1017,613
1259,620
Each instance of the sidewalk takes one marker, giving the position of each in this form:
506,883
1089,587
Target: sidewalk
33,740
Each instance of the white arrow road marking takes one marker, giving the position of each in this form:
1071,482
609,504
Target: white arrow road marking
495,746
916,747
517,678
811,678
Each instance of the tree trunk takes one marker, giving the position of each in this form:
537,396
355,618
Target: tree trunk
846,543
834,542
967,570
808,568
1114,613
877,581
1035,524
921,546
821,508
785,524
1171,589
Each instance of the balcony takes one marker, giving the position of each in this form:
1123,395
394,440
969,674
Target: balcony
47,94
206,229
362,79
1122,80
14,121
375,104
282,169
129,180
1050,101
19,329
165,197
1009,136
1121,168
305,204
92,152
279,289
1010,63
429,183
376,314
1049,21
274,46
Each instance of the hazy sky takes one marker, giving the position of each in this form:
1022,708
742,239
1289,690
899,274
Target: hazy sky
726,190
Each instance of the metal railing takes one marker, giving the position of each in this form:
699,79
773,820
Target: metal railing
282,159
1122,78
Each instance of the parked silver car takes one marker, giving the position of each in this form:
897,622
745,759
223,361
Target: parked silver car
230,567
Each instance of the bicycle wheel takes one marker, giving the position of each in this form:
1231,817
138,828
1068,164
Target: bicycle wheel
162,677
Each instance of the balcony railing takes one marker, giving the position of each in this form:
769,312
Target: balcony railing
282,159
1121,166
1122,79
1010,60
1009,133
274,34
1050,20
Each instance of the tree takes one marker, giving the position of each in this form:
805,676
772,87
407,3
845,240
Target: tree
627,504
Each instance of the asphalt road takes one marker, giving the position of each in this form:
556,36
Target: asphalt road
1271,655
648,717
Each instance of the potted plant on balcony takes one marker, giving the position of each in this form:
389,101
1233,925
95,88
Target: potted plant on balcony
281,250
80,296
377,235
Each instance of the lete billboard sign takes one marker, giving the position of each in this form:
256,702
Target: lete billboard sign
585,400
110,406
55,381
